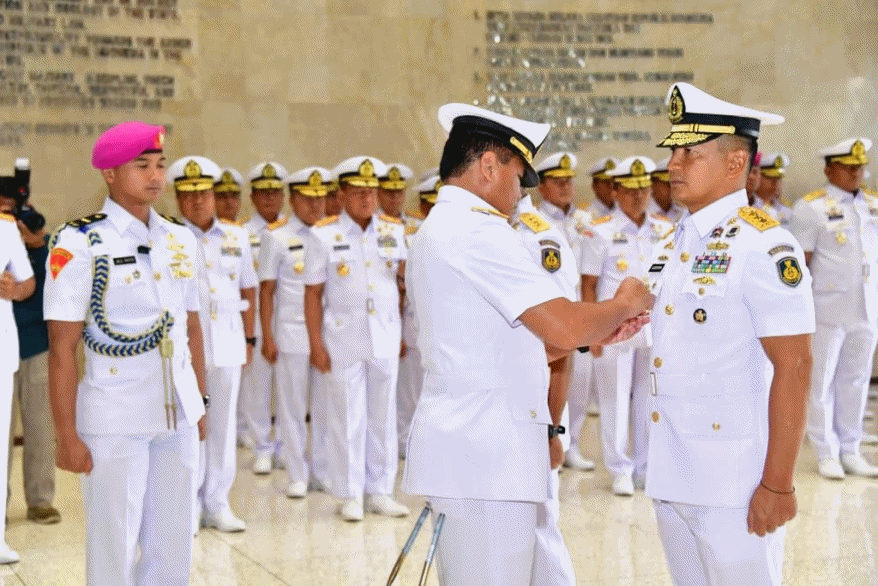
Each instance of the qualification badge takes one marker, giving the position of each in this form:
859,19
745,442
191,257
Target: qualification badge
342,270
622,264
299,267
790,273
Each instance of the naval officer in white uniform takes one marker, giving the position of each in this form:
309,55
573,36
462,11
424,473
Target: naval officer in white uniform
285,345
353,272
227,290
838,228
257,383
479,445
124,282
732,294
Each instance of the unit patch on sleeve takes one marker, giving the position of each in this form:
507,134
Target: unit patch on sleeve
790,273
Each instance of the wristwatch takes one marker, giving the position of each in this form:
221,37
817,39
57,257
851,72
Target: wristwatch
206,399
251,341
555,431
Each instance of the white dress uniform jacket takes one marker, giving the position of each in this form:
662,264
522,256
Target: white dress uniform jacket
351,261
673,215
842,232
728,283
573,224
776,210
226,268
480,426
126,395
282,259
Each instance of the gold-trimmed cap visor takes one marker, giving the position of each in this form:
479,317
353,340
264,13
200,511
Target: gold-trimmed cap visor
849,159
661,176
429,197
191,184
558,173
632,182
267,183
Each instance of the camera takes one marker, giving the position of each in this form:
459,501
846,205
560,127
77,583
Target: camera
17,187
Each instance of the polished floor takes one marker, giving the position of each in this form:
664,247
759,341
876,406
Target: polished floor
613,540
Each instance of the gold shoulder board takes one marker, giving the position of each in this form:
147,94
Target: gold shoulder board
757,218
277,224
173,220
325,221
601,220
489,211
390,219
7,217
409,230
870,193
86,220
534,222
815,195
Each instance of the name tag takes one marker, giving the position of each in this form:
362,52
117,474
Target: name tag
124,260
657,267
297,247
342,247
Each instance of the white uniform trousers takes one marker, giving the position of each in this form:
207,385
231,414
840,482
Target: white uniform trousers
319,409
485,543
292,373
362,420
6,385
257,385
552,565
622,372
217,462
408,391
140,492
840,377
580,394
710,546
31,390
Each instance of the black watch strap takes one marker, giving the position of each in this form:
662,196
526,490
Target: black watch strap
206,399
251,341
555,431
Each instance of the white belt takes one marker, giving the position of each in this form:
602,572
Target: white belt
218,306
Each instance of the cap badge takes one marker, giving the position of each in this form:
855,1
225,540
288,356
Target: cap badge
858,149
638,169
315,180
227,178
676,106
778,163
610,165
159,141
268,171
192,170
367,169
565,163
394,174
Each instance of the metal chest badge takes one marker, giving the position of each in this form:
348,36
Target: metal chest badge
790,273
711,263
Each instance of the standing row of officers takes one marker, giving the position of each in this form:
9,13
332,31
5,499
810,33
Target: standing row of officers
179,317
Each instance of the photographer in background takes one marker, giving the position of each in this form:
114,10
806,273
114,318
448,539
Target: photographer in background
30,386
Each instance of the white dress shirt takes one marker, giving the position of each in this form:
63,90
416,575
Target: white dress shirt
13,258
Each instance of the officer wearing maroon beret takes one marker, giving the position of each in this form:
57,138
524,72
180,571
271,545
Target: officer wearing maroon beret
123,281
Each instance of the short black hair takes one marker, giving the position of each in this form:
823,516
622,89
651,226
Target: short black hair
464,147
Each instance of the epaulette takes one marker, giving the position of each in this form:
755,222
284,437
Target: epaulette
534,222
277,224
82,222
390,219
417,214
409,230
662,217
869,192
489,212
325,221
601,220
7,217
173,220
815,195
757,218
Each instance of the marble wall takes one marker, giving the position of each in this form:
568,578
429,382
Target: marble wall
315,81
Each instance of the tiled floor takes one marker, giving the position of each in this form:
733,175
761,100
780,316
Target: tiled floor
613,541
